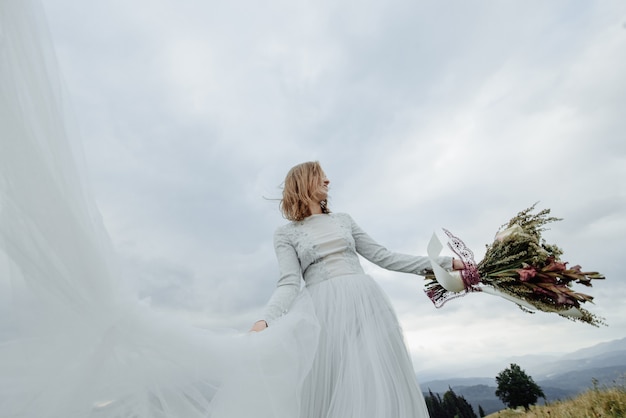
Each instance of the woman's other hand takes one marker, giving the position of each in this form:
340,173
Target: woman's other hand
259,325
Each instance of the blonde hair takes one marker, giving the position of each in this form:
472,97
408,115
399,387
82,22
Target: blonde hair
300,184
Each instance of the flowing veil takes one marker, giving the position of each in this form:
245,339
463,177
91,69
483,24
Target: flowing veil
73,341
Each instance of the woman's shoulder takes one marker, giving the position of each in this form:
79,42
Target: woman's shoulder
281,229
287,228
343,216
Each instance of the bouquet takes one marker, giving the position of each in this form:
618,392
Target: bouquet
519,266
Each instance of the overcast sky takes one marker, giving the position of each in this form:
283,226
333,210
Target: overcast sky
424,115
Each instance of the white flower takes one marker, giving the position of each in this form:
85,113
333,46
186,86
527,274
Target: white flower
514,230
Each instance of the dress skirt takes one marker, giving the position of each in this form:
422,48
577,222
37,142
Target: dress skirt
362,368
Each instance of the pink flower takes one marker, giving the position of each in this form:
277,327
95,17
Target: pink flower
554,266
526,273
564,299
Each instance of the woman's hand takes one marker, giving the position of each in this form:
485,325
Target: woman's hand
259,325
457,264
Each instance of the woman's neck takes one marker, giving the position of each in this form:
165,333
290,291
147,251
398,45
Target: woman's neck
315,209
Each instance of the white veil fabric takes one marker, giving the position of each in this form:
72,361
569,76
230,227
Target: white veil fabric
73,341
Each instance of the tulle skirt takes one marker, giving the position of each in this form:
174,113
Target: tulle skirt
74,343
362,368
145,365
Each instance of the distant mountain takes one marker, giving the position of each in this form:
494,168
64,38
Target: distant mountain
577,381
598,349
560,377
600,356
441,386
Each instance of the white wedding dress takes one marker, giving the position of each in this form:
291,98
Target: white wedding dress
362,368
75,343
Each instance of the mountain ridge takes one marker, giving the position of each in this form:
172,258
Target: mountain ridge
559,376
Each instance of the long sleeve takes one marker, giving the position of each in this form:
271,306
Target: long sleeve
389,260
290,278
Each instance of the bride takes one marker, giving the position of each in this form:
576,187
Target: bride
361,368
74,342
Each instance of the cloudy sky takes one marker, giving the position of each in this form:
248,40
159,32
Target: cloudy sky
424,115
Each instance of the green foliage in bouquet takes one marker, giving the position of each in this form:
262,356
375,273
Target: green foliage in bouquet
519,262
520,242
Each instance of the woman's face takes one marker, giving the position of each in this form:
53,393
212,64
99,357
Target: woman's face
322,191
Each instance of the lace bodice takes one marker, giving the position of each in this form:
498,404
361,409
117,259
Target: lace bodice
324,246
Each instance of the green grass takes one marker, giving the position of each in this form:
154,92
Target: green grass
595,403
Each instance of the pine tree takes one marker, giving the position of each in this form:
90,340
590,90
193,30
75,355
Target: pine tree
516,388
481,411
456,406
451,406
433,403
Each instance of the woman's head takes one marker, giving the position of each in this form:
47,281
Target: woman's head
306,185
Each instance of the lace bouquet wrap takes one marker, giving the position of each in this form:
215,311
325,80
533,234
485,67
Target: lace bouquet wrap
518,266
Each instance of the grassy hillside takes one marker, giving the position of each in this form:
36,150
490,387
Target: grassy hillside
605,403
